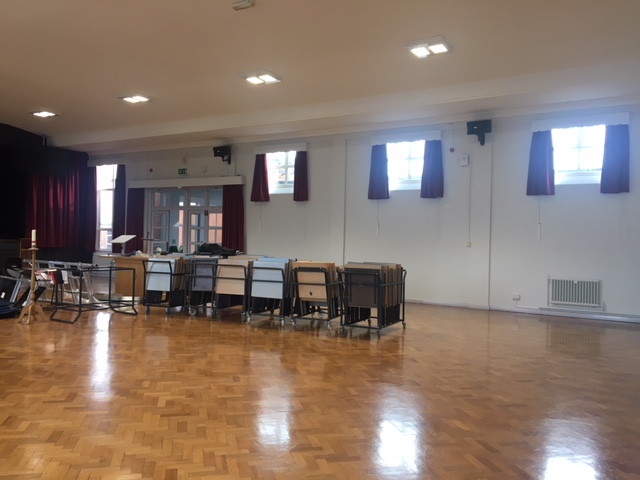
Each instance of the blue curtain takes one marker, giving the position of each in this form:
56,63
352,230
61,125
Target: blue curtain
301,178
378,174
432,183
260,187
541,178
615,163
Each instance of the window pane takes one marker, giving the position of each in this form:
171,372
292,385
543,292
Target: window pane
105,203
160,199
106,176
591,158
215,236
197,198
565,159
177,198
280,171
565,137
215,220
592,136
215,197
104,239
415,168
405,162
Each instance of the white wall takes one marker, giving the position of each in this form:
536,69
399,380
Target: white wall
475,247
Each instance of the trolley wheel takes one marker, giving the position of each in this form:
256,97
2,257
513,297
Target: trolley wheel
404,325
378,333
148,309
192,311
329,324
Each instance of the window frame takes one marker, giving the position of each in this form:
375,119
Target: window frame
276,188
99,225
587,120
578,176
401,137
290,149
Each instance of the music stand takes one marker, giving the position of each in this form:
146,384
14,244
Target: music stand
122,239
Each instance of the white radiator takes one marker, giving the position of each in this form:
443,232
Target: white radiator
570,292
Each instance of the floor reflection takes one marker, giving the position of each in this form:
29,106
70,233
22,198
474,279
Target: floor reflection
571,451
101,366
400,431
273,419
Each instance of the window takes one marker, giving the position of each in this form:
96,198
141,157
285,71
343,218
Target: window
578,154
105,186
280,171
405,162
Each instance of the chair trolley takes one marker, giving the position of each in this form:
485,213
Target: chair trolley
373,293
270,289
317,294
164,284
231,286
200,280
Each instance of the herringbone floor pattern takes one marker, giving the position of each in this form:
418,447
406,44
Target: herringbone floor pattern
459,395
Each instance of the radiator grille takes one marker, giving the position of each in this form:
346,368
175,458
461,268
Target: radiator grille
571,292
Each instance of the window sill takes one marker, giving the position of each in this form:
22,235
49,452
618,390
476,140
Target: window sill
578,178
408,185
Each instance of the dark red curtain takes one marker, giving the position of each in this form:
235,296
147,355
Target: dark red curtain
615,163
61,206
260,187
300,178
432,183
233,217
119,207
378,174
135,219
541,178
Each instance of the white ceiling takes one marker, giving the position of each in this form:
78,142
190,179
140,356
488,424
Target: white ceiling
344,65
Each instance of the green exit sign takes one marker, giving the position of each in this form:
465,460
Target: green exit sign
182,171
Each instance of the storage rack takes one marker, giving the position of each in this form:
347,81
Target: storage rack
317,293
373,292
164,284
232,286
82,299
200,281
270,288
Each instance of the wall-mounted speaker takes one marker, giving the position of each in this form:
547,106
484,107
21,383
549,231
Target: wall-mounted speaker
479,128
224,152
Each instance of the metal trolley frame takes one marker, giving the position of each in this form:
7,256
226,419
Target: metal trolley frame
82,300
364,292
168,289
259,305
200,278
231,288
315,300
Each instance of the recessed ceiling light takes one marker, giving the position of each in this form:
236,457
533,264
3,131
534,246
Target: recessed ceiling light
436,45
420,51
135,99
44,114
264,77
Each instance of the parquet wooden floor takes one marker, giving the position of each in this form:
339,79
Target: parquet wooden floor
460,394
